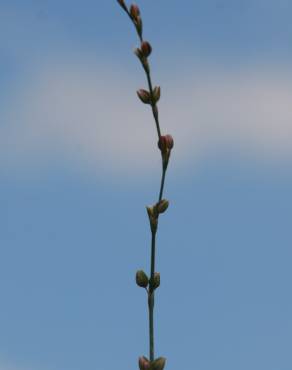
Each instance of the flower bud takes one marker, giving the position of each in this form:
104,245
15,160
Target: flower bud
142,279
156,94
165,143
144,96
162,206
144,363
155,282
158,364
134,11
162,144
169,141
146,48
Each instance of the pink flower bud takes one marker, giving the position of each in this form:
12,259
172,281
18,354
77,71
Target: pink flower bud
144,363
144,96
162,143
146,48
165,144
134,11
169,141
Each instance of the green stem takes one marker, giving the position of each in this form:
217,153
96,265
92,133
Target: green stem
153,239
162,183
151,290
151,300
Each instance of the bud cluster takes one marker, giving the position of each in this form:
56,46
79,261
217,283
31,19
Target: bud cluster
143,53
149,98
155,211
136,18
142,280
157,364
134,14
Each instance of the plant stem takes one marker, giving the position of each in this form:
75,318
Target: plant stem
151,289
151,294
151,299
162,183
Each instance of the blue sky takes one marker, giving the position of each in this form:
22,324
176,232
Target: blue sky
78,165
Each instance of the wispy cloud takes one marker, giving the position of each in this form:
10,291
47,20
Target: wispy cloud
88,115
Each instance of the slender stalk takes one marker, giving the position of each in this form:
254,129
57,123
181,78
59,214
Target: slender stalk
151,293
151,299
162,184
165,144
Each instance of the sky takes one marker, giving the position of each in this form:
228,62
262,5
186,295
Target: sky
79,163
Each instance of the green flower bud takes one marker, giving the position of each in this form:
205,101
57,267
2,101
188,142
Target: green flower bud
155,283
153,215
142,279
152,212
156,94
162,206
158,364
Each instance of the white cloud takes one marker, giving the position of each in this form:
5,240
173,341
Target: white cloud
90,116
